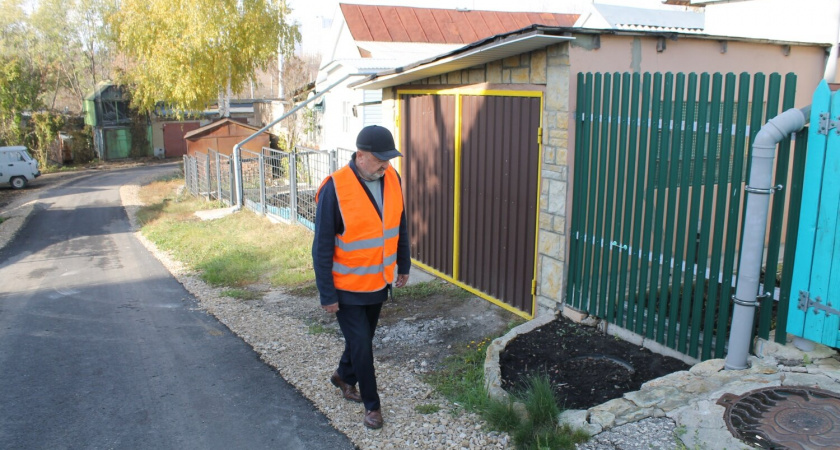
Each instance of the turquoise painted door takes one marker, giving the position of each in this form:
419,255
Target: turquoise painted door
815,298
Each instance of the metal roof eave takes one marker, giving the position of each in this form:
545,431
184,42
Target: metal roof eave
493,51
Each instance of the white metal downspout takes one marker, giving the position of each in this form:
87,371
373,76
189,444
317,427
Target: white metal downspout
237,163
755,226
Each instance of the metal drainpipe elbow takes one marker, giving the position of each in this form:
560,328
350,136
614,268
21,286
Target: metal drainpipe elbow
752,245
780,127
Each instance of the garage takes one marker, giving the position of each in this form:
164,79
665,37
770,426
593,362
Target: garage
471,182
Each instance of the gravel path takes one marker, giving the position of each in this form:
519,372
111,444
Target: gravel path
274,328
658,433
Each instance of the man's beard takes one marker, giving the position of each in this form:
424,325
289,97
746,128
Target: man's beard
371,176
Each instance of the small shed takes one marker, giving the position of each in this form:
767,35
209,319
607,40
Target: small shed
169,128
223,134
115,135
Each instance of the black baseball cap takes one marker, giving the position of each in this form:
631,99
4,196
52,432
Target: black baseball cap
378,141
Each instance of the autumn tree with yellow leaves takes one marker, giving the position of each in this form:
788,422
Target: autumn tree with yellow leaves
189,53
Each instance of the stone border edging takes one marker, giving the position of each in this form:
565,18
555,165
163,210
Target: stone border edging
687,397
492,369
493,376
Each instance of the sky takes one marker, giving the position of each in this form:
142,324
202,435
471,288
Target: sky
314,16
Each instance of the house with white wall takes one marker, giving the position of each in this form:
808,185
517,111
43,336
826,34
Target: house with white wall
814,21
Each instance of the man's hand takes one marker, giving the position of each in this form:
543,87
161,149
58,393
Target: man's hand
331,309
402,279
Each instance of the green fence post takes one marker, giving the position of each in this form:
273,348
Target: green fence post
590,239
598,235
625,316
777,216
579,195
646,257
604,309
655,305
615,301
701,290
668,240
734,214
691,306
797,182
682,211
635,321
725,152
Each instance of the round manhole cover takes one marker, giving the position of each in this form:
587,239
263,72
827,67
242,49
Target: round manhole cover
790,417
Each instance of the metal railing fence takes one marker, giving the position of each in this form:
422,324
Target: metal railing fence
221,177
342,156
196,172
209,175
275,183
191,175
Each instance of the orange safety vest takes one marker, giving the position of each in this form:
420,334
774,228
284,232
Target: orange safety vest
365,257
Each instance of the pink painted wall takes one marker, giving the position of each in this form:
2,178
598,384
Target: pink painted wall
638,54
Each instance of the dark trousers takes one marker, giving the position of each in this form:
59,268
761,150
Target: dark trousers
358,324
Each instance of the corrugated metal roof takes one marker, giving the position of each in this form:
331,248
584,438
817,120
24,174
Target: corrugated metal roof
217,124
369,65
405,51
477,53
628,18
443,26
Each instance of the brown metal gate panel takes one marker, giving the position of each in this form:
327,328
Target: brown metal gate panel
428,171
173,137
499,201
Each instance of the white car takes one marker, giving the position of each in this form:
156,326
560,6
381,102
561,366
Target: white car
17,166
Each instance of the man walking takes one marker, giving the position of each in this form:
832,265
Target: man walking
360,250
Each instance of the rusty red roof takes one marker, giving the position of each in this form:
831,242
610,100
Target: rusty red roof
223,121
439,26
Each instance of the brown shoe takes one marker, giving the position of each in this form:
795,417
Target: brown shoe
373,419
349,392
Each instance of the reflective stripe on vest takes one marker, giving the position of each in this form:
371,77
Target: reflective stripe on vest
368,243
366,253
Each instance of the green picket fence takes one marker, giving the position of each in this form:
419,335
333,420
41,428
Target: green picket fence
660,166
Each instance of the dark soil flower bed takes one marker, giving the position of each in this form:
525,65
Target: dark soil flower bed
586,367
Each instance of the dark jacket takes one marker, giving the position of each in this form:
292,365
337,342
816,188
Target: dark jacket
328,224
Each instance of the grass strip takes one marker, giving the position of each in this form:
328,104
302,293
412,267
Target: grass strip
234,251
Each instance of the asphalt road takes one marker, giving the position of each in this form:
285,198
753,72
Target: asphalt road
100,347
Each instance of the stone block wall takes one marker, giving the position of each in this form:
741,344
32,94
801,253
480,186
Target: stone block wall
554,186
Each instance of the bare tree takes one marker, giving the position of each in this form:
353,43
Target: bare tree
298,79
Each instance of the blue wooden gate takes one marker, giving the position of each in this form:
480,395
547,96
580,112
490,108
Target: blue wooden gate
815,298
